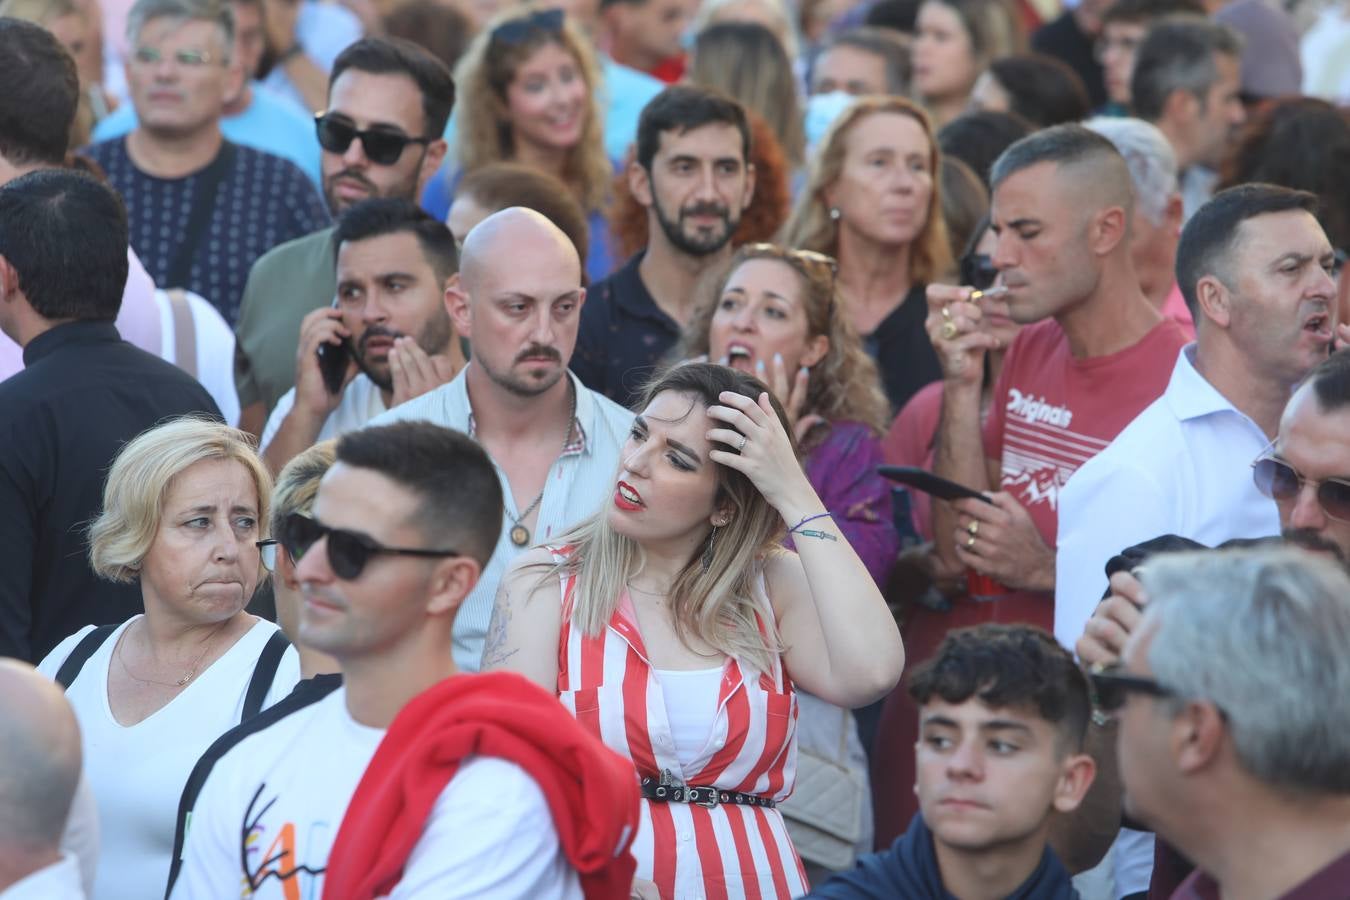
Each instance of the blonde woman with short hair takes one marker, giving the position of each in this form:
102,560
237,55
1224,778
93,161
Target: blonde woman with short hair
184,509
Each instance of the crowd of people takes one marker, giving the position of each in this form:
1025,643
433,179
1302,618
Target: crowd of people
659,449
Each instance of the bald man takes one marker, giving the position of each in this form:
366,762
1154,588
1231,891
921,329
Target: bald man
555,443
39,771
1094,353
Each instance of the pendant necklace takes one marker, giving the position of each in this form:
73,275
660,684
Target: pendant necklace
520,535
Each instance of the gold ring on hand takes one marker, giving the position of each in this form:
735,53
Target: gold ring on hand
973,527
948,330
970,542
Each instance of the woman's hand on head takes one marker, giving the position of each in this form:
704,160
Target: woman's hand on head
749,437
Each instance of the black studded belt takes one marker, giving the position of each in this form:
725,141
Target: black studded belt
667,789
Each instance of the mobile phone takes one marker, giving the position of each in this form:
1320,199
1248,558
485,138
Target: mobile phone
923,480
333,359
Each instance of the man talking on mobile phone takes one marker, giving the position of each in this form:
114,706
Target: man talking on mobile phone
387,337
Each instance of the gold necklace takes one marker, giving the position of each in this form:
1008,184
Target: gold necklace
520,535
191,672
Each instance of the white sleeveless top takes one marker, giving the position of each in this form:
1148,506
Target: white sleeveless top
691,707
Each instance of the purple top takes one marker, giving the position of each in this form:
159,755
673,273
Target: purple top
843,470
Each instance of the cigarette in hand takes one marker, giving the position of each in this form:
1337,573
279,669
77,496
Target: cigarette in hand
998,291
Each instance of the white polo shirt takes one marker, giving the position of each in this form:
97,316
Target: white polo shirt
1182,467
580,480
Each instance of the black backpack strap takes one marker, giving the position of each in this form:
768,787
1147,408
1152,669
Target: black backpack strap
88,645
199,217
307,692
263,673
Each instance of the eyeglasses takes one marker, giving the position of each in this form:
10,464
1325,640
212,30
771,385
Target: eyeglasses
1280,481
268,550
1113,685
348,551
978,270
382,147
192,59
514,32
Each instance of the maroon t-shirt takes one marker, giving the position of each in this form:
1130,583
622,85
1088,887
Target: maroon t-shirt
1331,883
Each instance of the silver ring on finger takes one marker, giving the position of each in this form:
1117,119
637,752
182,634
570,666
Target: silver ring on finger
741,447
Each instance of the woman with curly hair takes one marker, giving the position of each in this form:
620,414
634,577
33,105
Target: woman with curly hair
873,201
526,94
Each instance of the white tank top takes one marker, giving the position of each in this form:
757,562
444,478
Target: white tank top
691,708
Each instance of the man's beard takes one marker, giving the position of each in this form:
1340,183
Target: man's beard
433,338
404,190
701,245
526,387
1311,540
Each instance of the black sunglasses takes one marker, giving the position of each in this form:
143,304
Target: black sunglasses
978,270
382,147
348,551
1280,481
514,32
1113,685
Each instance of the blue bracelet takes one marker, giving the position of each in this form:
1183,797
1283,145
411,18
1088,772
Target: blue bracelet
823,515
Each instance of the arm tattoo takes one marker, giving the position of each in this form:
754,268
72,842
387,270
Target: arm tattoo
820,535
495,652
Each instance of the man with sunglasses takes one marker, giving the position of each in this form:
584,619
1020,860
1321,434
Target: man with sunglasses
402,527
201,208
693,174
388,102
1233,733
1002,714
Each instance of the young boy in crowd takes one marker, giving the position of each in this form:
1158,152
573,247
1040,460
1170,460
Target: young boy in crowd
1002,714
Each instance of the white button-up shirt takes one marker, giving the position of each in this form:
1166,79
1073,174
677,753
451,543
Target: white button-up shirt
1182,467
580,480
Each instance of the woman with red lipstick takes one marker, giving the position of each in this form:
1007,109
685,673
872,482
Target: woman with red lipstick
668,624
526,94
873,202
184,508
773,316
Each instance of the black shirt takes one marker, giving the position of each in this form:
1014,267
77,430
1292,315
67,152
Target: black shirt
1063,39
623,336
903,352
84,392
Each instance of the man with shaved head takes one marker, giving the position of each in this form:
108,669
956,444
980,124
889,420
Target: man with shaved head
554,443
39,770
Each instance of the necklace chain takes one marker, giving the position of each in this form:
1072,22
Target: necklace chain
191,672
520,535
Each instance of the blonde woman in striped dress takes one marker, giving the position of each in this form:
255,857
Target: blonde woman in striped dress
669,623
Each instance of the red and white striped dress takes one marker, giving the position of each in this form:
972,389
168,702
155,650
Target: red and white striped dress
608,683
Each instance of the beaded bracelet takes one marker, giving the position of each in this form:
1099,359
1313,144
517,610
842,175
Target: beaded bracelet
794,528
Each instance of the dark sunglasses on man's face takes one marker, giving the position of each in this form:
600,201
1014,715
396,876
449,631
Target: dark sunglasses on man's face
348,551
1280,481
382,147
1113,686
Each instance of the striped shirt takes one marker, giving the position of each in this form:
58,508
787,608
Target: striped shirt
728,851
581,478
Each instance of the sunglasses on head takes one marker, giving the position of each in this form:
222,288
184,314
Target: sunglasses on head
382,147
514,32
348,551
1112,686
1280,481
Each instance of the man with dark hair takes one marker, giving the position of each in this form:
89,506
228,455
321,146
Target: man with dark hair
510,794
693,174
253,117
37,108
201,209
1002,714
646,34
388,102
1186,81
1124,26
1254,266
1094,354
862,60
82,394
390,330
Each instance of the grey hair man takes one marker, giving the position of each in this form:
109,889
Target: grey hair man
1241,766
1156,226
1186,80
40,746
862,60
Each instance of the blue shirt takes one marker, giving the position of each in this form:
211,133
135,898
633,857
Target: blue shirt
269,123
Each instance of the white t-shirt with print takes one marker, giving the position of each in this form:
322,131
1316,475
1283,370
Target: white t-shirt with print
137,772
271,808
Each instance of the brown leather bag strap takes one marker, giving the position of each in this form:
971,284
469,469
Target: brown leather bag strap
184,331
